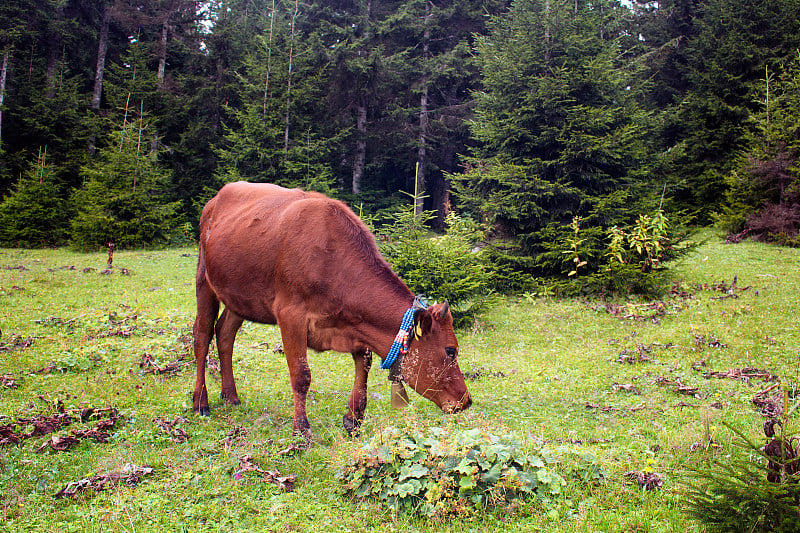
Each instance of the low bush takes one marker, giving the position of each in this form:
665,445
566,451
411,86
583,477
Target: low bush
441,472
442,267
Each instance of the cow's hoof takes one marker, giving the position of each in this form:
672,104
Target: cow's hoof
232,401
350,425
202,411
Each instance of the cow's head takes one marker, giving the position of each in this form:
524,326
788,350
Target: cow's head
431,364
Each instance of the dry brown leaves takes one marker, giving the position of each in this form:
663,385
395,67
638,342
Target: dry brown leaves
646,481
15,432
171,428
712,341
637,355
481,372
246,464
629,387
638,312
745,374
16,343
129,475
150,365
235,437
7,381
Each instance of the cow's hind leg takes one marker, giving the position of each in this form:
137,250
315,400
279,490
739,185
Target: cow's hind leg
203,330
358,398
227,327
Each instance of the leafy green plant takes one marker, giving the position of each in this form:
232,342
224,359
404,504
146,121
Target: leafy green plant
574,242
648,239
76,361
440,472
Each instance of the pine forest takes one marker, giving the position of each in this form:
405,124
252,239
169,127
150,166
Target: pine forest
553,126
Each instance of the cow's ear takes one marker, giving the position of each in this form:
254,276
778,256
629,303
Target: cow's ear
422,323
440,311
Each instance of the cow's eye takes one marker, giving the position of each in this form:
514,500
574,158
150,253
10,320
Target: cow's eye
451,352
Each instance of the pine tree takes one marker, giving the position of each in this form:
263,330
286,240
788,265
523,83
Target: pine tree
736,41
34,214
123,198
276,131
558,123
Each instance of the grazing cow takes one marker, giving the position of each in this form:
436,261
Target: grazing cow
307,263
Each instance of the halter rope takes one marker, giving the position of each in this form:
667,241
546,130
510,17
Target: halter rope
400,343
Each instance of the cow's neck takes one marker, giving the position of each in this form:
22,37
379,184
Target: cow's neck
382,321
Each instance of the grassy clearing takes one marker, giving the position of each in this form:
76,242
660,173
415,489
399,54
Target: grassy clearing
546,369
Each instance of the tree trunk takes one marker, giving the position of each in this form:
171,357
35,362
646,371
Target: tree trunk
424,121
3,71
361,146
162,56
269,60
289,82
360,158
53,49
102,47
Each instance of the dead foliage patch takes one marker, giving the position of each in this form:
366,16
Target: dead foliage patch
16,342
712,341
770,405
607,408
59,322
129,475
65,267
21,268
150,365
124,326
679,387
645,480
745,374
593,440
481,372
728,290
628,387
172,428
235,437
783,452
274,477
652,311
640,354
63,443
639,312
7,381
24,428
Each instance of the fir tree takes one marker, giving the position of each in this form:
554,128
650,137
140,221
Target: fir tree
123,197
34,214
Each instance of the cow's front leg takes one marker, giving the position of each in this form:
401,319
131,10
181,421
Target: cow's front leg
295,345
358,398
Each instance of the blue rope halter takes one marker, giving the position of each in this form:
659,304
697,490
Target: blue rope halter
400,343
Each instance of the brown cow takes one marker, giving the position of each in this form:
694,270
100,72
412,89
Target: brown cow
307,263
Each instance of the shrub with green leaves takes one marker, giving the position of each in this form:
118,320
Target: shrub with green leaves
439,472
442,267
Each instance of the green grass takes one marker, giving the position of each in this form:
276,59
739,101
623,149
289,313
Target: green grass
548,373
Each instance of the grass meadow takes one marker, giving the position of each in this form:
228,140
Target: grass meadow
641,385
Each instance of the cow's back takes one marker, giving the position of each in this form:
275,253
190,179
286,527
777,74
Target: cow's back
262,245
